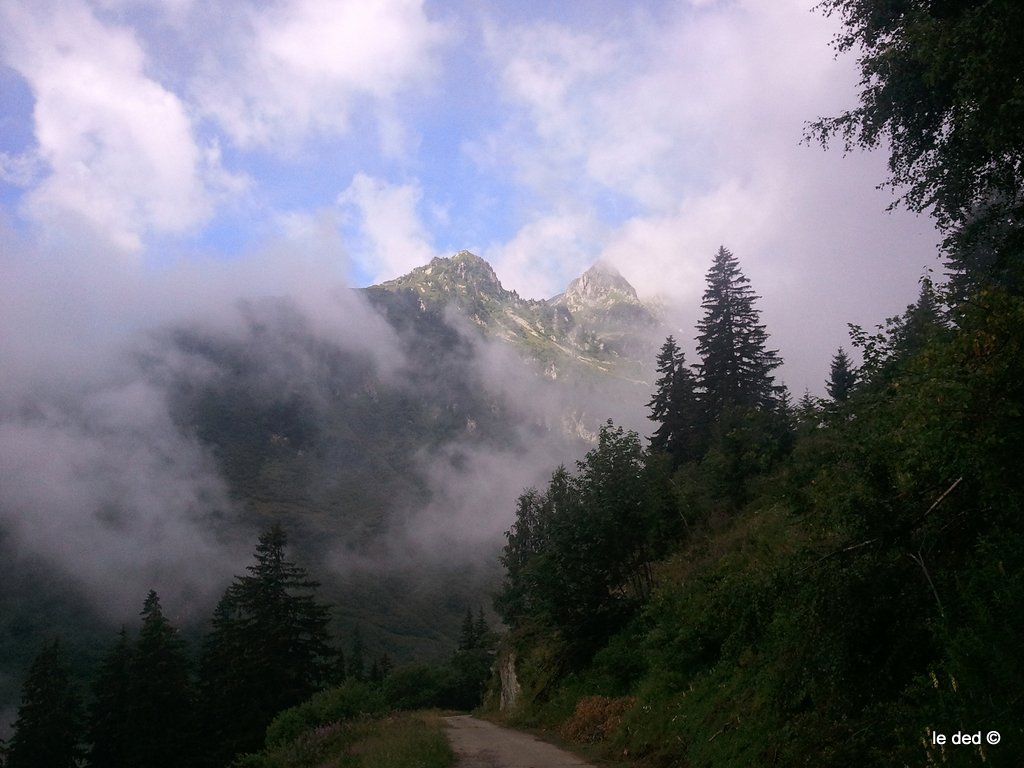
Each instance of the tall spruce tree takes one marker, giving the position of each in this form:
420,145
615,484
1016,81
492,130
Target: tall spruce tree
160,727
285,626
480,628
356,668
269,648
467,635
736,365
842,377
111,705
674,406
47,733
225,698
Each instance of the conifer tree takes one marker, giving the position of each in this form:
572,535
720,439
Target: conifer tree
160,694
224,689
385,665
285,626
467,636
357,656
901,338
674,406
480,628
842,377
269,648
47,733
808,412
109,713
736,365
922,322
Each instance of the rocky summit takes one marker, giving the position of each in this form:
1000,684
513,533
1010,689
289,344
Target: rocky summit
597,323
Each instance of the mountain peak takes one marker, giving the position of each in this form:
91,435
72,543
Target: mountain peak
600,287
451,278
598,322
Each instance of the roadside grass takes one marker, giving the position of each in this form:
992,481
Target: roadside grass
404,740
408,740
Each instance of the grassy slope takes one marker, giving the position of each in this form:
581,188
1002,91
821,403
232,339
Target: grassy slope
399,740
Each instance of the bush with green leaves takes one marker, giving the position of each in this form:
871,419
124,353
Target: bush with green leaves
350,700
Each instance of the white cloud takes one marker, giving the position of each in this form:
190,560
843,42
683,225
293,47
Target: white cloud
689,119
657,109
290,69
114,493
389,238
119,147
548,74
96,475
21,170
543,251
172,9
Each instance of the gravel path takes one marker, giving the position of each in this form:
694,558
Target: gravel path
480,744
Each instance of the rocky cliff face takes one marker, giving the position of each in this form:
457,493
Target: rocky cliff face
510,689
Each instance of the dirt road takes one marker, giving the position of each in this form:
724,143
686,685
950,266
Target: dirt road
479,744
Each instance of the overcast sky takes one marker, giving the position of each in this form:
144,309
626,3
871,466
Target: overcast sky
149,143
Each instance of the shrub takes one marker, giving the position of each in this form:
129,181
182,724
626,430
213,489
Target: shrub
595,718
420,686
348,701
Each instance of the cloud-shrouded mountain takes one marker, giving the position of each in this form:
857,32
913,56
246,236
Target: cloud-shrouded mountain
598,322
391,445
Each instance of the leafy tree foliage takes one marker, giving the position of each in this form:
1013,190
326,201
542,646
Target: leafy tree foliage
525,545
578,556
871,581
736,365
47,733
674,406
868,588
900,339
941,87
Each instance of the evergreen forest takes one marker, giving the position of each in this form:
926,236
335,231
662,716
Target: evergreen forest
268,668
760,580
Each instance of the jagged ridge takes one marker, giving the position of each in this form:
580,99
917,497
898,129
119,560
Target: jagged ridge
598,321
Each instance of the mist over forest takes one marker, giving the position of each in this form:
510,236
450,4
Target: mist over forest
390,438
360,362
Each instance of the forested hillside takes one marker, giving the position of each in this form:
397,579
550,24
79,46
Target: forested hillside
834,581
